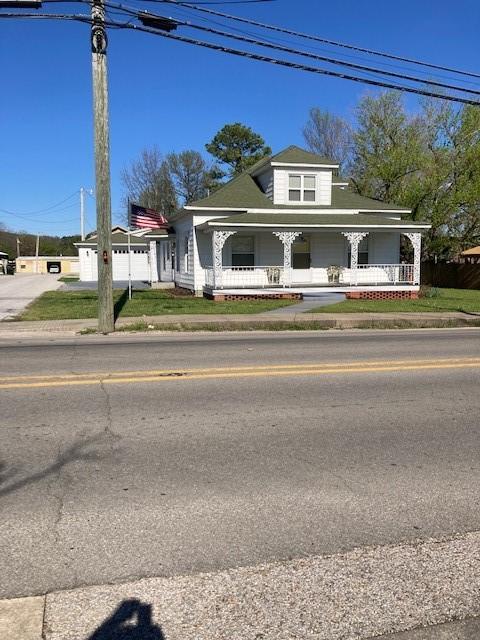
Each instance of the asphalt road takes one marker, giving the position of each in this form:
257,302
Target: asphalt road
118,460
17,291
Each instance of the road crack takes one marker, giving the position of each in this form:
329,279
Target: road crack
108,429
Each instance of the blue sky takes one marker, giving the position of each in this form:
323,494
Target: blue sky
177,96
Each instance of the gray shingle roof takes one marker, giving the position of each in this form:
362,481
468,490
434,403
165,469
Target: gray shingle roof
313,219
120,237
297,155
240,193
243,192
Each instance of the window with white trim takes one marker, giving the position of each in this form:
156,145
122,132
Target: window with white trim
302,188
243,251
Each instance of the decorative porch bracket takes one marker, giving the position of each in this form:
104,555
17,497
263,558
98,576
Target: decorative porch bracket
287,238
354,238
218,240
416,240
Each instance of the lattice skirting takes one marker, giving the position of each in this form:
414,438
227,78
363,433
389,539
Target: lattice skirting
382,295
221,297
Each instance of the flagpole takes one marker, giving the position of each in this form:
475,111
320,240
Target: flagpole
129,255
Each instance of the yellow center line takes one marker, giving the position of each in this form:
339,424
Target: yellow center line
123,377
105,375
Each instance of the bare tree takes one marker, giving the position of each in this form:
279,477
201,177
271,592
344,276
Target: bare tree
190,174
148,182
330,136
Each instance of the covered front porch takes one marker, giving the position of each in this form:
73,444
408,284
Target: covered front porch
259,260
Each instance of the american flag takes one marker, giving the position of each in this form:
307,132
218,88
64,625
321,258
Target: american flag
143,218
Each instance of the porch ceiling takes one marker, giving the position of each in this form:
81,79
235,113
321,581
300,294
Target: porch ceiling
313,221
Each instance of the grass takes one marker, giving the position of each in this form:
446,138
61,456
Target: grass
69,279
251,325
64,305
466,300
311,325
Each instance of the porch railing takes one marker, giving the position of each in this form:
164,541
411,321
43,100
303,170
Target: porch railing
384,274
246,277
276,276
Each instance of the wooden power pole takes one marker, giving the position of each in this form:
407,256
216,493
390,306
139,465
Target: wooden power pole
102,167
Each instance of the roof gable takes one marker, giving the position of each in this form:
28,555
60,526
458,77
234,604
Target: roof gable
297,155
244,192
240,193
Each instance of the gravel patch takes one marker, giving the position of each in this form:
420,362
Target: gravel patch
360,594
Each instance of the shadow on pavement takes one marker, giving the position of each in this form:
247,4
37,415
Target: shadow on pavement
131,621
75,452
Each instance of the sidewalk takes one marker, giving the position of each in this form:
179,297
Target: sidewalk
185,322
371,592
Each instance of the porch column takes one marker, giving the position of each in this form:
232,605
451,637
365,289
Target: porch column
218,240
153,261
416,240
287,238
354,238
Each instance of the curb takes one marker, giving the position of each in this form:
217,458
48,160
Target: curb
288,322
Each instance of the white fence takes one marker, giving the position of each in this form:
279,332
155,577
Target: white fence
276,276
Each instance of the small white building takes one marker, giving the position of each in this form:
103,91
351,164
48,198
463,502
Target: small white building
149,259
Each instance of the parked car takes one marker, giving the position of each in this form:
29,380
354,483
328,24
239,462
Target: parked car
54,268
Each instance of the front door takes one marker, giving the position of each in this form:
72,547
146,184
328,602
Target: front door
301,260
166,261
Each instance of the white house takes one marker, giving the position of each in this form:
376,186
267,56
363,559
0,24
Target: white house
149,258
289,223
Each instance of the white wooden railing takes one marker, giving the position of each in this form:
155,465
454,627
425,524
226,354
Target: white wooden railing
384,274
271,276
245,277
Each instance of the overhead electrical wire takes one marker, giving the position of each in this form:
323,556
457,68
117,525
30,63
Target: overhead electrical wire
237,2
253,56
262,58
278,47
50,208
309,36
291,64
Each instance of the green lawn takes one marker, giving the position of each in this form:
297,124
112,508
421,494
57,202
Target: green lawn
62,305
467,300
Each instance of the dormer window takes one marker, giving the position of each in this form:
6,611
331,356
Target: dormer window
301,188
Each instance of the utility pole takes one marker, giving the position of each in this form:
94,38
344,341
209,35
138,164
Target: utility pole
102,167
37,246
82,213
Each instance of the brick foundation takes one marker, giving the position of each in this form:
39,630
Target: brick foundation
237,297
381,295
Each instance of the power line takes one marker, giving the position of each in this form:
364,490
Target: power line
49,16
308,36
237,2
293,65
313,56
53,206
61,221
262,58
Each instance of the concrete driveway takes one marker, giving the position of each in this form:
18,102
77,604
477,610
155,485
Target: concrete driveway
19,290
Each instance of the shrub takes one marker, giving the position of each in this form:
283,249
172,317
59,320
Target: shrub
427,291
